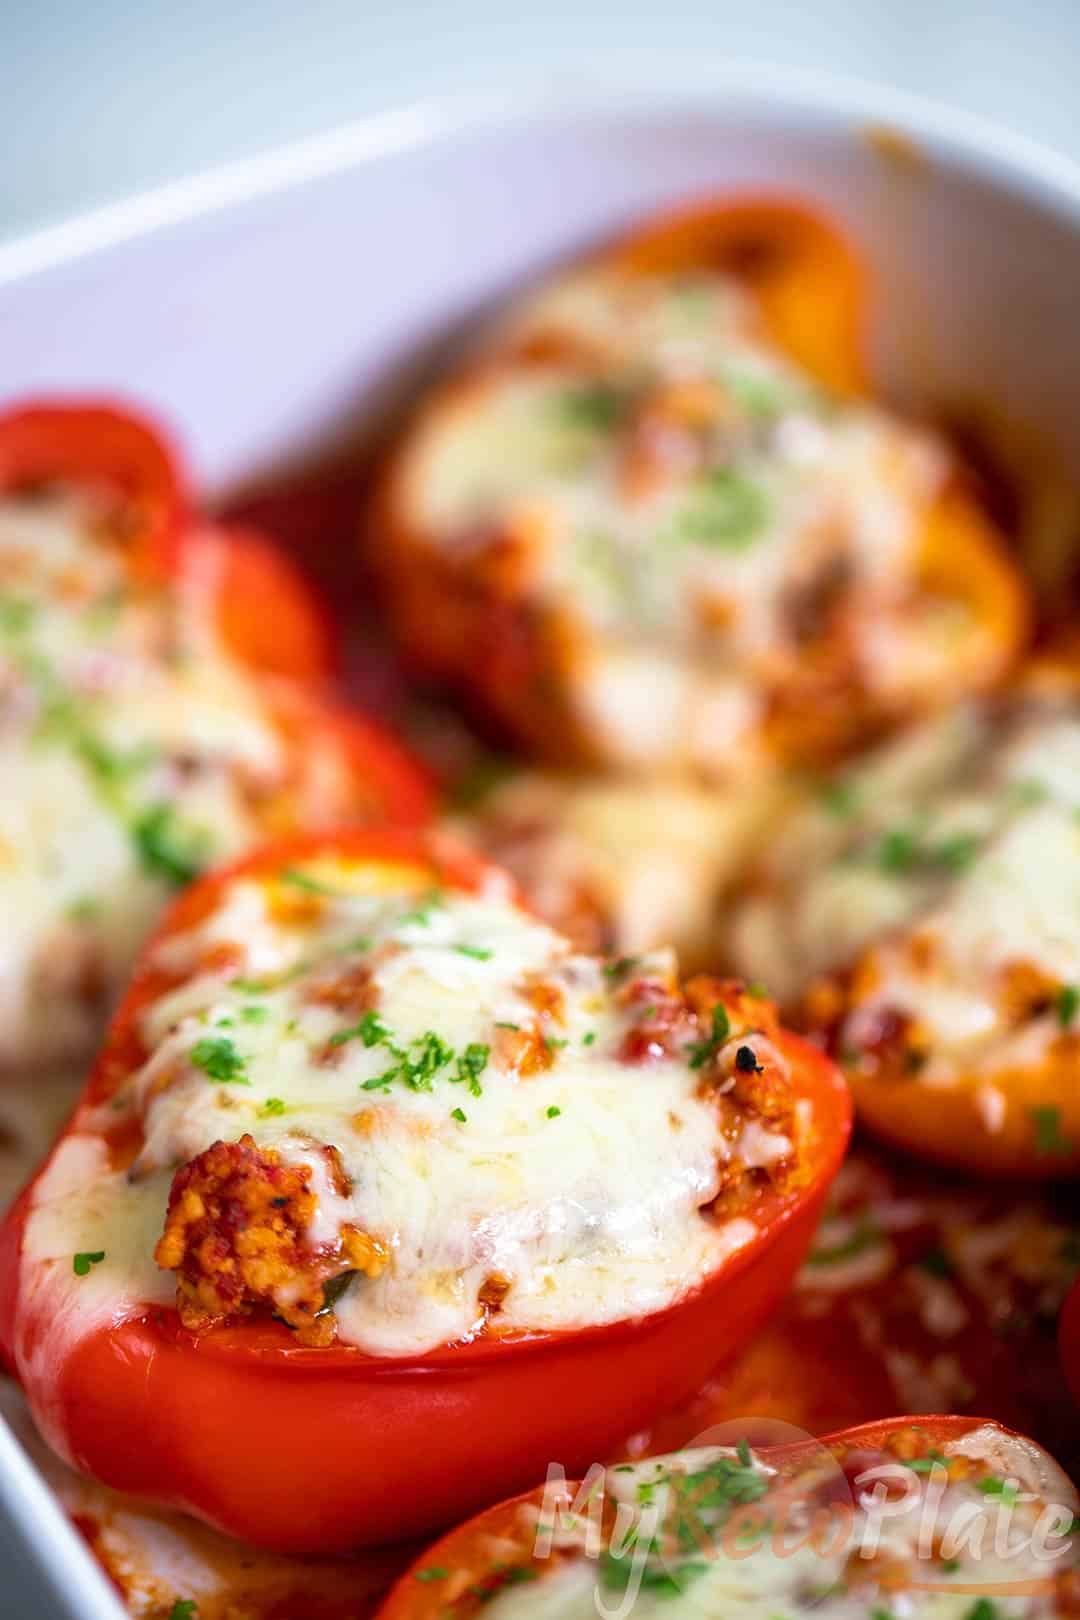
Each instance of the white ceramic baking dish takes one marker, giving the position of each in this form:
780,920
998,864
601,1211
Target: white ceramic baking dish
267,309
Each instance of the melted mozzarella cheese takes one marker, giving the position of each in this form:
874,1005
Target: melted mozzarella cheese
676,488
129,742
622,868
582,1185
967,834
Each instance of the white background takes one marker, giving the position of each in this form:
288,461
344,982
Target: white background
100,98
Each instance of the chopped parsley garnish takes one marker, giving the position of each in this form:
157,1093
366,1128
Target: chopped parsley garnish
1007,1491
553,1112
897,850
420,915
927,1464
746,1061
1025,795
272,1106
471,1065
458,1114
16,615
371,1030
620,967
81,1263
588,1038
168,847
1067,1004
702,1052
1048,1135
254,1015
84,909
184,1609
502,1024
297,879
554,1043
595,405
840,798
983,1609
726,509
415,1066
432,1573
698,1506
477,952
956,853
218,1058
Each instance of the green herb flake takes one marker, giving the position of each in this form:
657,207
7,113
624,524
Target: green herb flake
897,850
81,1263
271,1107
553,1112
298,879
620,967
956,853
477,952
595,406
219,1060
420,915
371,1030
839,798
703,1051
85,909
254,1015
184,1609
927,1464
588,1038
168,847
1006,1491
471,1065
432,1573
16,615
1066,1004
983,1609
726,510
459,1114
1048,1135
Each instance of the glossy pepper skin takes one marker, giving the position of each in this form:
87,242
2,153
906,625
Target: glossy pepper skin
456,1577
315,1450
520,658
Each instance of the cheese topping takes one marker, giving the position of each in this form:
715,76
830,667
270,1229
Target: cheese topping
132,751
429,1102
621,867
686,495
955,856
981,1528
